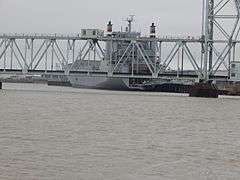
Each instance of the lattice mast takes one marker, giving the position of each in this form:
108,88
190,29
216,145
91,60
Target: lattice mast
214,13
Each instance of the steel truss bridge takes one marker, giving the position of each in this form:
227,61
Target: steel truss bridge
205,55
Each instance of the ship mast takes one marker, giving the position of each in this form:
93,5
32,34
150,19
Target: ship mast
130,19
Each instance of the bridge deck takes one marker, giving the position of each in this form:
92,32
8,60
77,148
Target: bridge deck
98,73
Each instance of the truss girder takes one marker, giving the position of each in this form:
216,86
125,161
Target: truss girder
217,15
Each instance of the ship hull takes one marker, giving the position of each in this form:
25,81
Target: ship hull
94,82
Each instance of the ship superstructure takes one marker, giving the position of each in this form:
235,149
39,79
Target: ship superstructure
127,57
122,55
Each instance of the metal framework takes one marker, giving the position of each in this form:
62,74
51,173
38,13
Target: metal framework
41,52
204,55
220,22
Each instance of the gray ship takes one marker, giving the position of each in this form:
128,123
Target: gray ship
113,52
125,65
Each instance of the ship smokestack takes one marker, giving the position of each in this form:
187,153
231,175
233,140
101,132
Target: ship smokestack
109,28
153,31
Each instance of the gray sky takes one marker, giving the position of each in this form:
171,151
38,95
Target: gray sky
174,17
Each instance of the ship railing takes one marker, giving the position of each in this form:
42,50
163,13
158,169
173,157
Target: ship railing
39,35
180,37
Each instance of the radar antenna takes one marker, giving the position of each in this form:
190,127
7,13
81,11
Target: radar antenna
130,19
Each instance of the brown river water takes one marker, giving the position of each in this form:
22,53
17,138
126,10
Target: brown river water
66,133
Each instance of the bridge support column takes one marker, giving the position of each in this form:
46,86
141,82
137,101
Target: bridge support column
205,88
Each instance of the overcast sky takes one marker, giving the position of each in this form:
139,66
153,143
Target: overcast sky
173,17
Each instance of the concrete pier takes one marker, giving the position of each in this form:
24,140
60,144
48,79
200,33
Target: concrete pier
206,90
